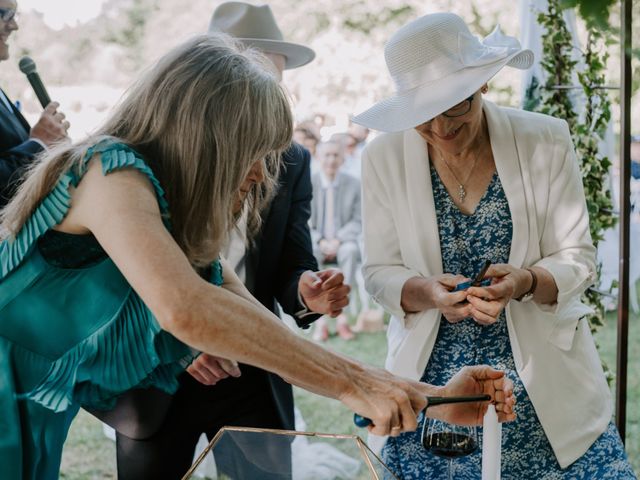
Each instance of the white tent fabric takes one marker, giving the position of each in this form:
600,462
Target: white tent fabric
531,37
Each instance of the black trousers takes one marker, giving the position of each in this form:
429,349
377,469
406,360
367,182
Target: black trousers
195,409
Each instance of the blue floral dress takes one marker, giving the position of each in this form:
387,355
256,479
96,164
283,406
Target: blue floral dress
466,241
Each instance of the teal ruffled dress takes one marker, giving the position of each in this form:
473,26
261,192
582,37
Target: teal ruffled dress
72,337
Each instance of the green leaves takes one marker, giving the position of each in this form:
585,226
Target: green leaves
594,12
366,21
558,97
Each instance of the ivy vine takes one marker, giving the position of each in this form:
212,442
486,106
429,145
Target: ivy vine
557,97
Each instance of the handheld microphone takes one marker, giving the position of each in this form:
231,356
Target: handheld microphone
28,67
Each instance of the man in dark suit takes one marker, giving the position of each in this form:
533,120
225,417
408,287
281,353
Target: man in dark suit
278,268
18,141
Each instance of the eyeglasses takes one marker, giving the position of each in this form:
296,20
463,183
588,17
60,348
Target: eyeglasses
8,14
459,109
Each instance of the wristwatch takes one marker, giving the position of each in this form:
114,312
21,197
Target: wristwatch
528,295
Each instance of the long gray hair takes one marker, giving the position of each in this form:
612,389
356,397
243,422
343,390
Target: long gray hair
201,117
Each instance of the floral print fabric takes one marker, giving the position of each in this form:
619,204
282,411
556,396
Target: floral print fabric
466,241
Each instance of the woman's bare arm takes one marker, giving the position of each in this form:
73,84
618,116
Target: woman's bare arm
121,210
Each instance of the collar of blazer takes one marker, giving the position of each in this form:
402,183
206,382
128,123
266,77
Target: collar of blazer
13,118
511,169
514,174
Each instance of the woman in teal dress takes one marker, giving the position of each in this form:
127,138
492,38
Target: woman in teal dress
109,270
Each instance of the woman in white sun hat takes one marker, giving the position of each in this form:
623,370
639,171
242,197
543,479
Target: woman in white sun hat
457,181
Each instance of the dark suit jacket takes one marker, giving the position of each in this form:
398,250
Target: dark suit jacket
282,251
281,254
16,150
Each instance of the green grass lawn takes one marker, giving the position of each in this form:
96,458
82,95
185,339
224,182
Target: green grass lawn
90,455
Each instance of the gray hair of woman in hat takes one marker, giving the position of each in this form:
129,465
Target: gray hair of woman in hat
256,27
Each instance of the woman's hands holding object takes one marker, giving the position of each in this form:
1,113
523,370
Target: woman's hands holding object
452,305
507,282
209,369
472,380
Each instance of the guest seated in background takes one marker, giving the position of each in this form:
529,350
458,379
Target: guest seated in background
335,224
110,272
457,181
371,316
19,143
349,144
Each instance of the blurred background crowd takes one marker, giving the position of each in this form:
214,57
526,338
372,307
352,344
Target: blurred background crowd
89,52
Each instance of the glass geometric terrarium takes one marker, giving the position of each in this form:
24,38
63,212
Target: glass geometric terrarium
254,453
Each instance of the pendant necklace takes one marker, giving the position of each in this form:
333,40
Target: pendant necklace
462,193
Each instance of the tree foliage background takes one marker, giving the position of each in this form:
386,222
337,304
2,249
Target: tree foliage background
103,56
87,66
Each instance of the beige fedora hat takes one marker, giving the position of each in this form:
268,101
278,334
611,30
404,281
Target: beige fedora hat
256,26
435,63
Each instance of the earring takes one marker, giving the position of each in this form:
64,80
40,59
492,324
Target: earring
484,89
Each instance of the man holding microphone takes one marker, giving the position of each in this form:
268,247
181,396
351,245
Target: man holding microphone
19,142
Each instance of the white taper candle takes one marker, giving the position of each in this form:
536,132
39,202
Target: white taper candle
491,445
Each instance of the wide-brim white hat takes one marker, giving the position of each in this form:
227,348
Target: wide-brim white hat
435,63
256,26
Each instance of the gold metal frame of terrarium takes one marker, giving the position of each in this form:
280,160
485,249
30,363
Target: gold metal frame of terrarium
364,450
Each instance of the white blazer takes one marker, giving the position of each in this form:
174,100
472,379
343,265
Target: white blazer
553,350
